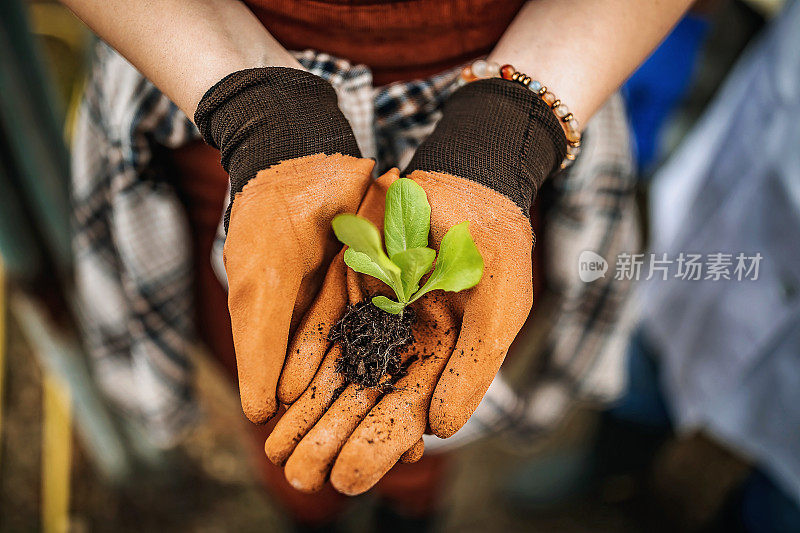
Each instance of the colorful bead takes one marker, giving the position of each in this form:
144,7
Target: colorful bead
561,111
492,69
506,71
549,98
534,86
573,133
479,68
467,74
573,124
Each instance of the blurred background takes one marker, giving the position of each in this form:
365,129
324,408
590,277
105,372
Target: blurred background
656,458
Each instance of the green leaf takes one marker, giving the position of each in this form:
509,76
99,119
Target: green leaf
407,220
390,306
459,266
414,263
361,262
363,237
358,233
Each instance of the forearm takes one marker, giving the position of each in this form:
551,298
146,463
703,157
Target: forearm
583,50
183,46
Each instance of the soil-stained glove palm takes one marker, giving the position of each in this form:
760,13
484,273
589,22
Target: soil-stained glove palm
294,164
460,338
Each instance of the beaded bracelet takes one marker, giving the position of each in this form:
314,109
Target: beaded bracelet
482,69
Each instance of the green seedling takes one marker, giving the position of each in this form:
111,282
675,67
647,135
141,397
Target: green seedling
406,225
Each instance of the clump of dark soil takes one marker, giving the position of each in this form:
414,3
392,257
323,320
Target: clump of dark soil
372,342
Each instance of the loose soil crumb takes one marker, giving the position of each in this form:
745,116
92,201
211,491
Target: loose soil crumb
372,342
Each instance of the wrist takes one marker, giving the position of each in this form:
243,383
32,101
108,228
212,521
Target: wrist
483,69
261,116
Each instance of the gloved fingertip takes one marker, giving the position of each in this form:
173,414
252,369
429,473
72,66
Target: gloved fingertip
362,463
303,476
414,454
286,434
276,452
300,487
348,485
443,422
259,411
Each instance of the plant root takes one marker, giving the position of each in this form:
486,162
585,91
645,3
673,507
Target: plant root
372,343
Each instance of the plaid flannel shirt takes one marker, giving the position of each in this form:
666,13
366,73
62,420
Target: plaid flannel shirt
132,245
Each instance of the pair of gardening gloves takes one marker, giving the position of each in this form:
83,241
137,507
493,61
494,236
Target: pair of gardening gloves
294,164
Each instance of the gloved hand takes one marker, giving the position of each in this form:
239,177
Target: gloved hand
294,164
485,161
494,146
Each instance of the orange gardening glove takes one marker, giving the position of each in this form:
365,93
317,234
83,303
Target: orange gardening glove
460,339
294,164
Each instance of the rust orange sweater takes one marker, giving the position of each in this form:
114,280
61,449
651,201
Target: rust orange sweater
397,39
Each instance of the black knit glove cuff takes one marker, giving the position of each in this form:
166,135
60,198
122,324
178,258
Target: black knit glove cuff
262,116
499,134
